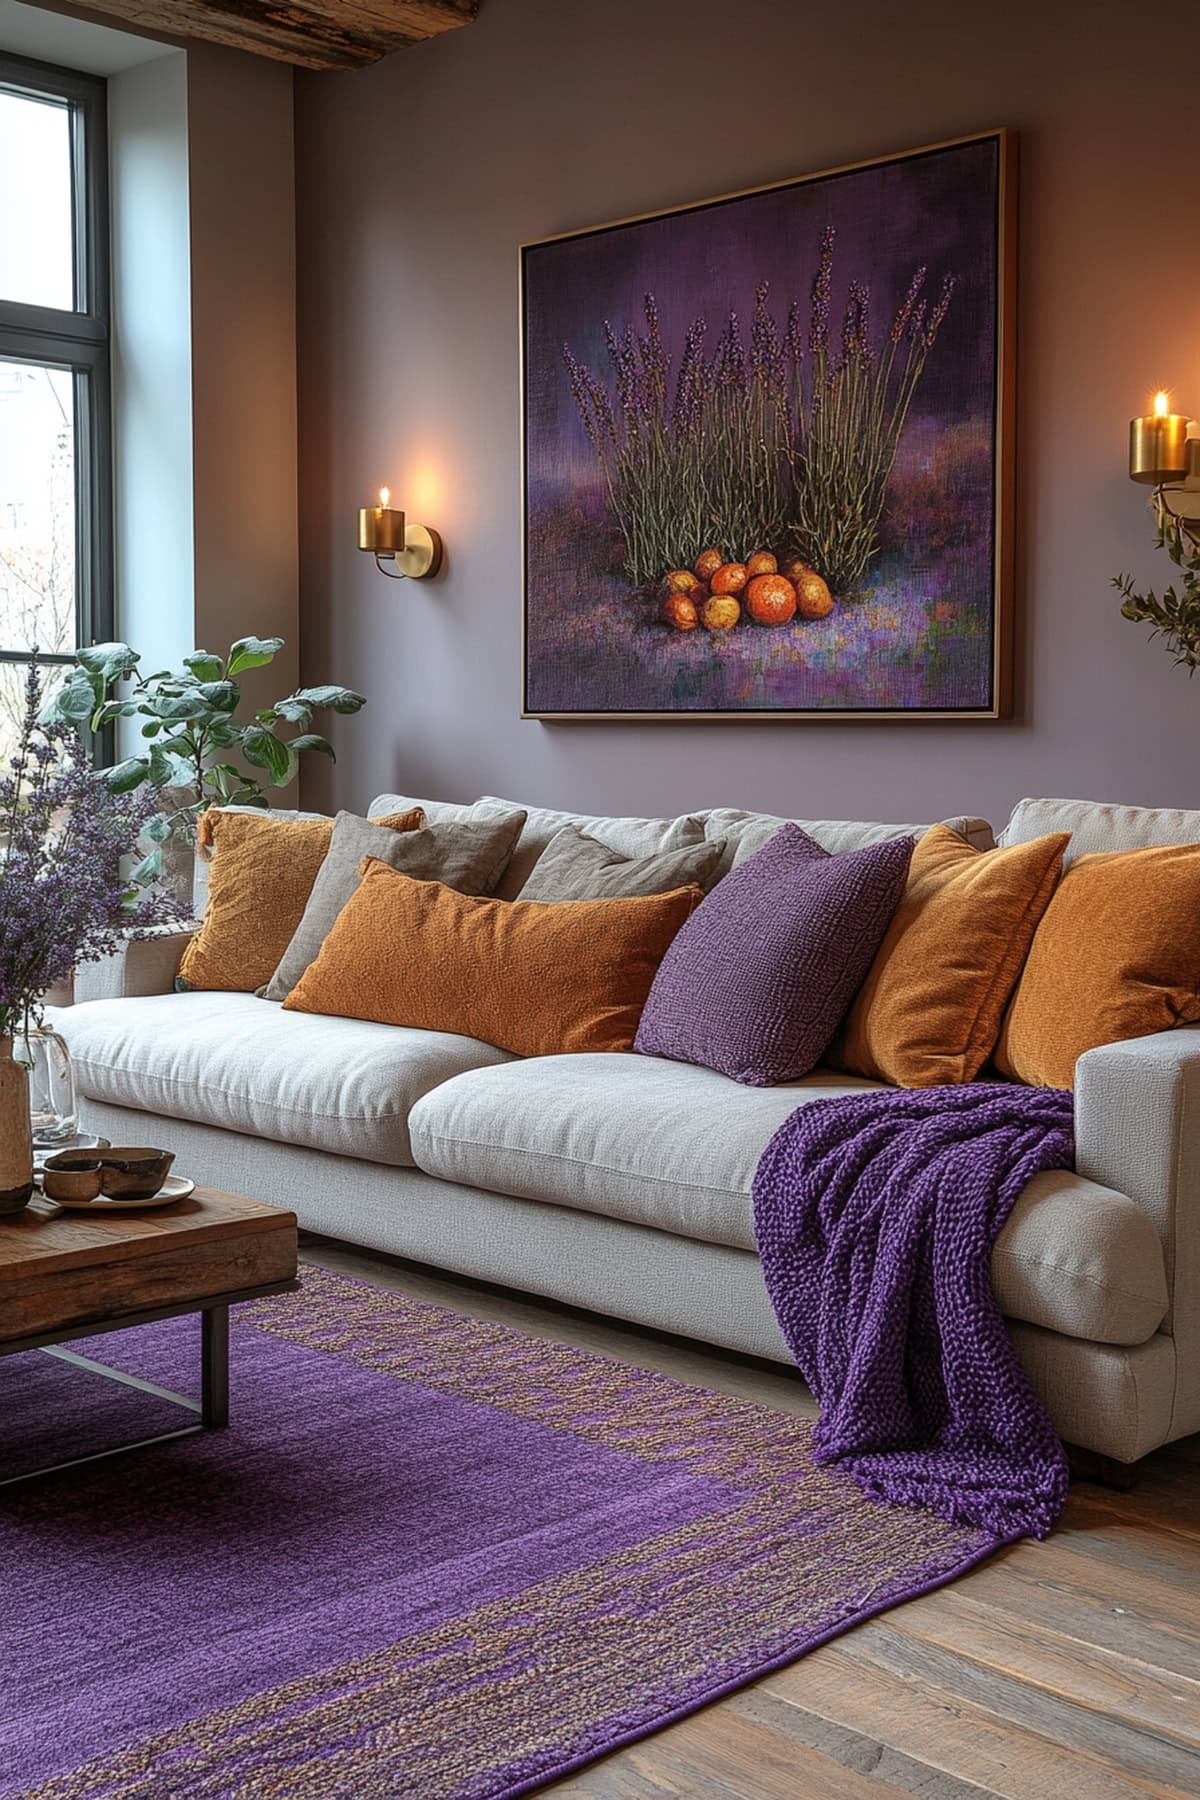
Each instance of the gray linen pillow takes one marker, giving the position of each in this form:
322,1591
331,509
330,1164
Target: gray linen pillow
470,856
574,866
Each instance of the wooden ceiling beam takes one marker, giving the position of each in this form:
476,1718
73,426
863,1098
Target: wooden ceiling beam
313,34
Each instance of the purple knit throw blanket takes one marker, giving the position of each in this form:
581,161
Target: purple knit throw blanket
875,1217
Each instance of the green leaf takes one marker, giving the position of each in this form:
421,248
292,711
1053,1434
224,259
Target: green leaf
265,715
310,741
153,728
191,706
252,653
164,770
264,750
158,829
204,665
222,696
337,699
293,710
107,661
249,796
72,703
123,777
148,868
221,734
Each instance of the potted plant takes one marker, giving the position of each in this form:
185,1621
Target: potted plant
65,898
201,749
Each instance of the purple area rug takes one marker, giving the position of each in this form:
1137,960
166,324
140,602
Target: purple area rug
431,1557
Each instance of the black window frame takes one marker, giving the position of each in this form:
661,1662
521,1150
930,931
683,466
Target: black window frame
78,341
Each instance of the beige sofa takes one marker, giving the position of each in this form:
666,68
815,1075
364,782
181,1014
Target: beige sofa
622,1183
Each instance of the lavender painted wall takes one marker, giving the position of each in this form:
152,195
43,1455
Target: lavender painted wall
418,179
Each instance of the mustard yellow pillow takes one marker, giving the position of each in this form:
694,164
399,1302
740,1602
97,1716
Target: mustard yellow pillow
539,978
1117,956
930,1010
262,873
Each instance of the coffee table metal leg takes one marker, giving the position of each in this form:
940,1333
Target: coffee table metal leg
214,1362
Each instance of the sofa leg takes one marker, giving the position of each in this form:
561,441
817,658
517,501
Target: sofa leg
1105,1471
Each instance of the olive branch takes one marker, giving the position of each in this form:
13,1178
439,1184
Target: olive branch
1175,614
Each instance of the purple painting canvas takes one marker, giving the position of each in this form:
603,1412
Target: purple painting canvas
763,458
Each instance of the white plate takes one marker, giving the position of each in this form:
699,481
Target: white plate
175,1187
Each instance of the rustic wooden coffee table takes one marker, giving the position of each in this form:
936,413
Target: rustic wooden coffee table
66,1274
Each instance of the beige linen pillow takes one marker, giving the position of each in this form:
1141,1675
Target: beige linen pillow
574,866
469,857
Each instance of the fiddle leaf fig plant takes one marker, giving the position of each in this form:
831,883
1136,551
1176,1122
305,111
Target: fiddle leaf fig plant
1175,614
197,743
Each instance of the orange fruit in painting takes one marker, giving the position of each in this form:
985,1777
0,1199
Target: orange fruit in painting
730,578
771,600
761,563
813,598
681,581
720,612
679,610
797,569
707,564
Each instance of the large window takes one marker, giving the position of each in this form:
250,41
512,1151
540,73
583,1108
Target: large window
55,449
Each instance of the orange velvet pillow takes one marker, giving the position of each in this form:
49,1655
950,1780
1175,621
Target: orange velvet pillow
262,873
930,1010
539,978
1117,956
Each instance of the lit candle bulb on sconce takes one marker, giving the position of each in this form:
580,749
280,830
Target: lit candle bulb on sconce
410,550
1158,444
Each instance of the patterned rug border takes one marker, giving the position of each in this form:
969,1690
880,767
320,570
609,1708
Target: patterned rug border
690,1707
646,1373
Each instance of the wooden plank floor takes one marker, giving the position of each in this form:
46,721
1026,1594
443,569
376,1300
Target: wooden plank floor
1068,1670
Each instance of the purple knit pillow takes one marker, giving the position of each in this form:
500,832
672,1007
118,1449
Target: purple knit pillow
757,981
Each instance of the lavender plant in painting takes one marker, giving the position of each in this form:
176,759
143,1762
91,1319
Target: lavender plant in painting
848,415
804,383
65,838
765,451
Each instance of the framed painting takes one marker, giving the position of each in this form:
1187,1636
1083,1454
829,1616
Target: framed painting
766,450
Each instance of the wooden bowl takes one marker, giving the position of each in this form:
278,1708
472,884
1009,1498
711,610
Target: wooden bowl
133,1173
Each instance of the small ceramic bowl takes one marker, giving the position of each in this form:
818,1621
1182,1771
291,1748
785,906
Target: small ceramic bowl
133,1173
70,1176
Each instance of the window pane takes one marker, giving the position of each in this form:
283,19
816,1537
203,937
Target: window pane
37,508
13,677
37,245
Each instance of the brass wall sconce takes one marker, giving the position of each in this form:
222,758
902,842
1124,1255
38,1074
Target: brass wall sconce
414,551
1164,453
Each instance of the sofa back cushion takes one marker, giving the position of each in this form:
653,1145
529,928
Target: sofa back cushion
743,833
535,979
1095,825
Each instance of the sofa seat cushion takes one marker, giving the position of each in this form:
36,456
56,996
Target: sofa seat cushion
673,1146
243,1064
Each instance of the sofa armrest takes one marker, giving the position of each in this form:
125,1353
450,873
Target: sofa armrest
143,965
1137,1129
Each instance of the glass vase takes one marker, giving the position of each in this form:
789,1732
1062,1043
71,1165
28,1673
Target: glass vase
53,1112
